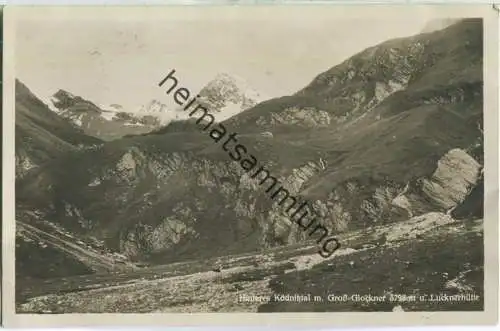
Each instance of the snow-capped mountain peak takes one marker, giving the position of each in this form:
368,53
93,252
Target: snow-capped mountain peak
225,96
154,107
225,87
228,95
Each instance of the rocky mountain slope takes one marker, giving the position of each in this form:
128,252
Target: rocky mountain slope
40,134
396,76
107,124
390,134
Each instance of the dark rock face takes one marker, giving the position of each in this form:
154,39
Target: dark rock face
65,100
473,206
375,140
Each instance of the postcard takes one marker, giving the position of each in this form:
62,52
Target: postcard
299,165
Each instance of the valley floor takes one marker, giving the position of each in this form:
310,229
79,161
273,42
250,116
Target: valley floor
432,254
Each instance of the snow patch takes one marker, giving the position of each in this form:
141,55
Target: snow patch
133,124
77,121
95,182
108,115
50,101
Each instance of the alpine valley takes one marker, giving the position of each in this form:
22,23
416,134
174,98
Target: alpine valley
142,212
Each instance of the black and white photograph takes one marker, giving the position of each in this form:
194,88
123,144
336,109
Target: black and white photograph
212,161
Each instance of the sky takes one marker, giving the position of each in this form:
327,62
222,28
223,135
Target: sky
109,60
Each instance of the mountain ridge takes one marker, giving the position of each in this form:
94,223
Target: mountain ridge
225,94
345,141
42,135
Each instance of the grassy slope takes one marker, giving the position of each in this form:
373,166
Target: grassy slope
35,260
408,135
41,134
422,266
